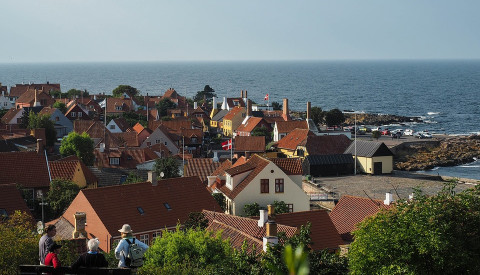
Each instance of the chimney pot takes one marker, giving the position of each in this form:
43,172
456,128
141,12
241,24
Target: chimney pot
263,218
246,94
152,178
80,222
388,198
249,108
241,93
40,146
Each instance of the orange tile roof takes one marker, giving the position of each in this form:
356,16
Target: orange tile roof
226,164
233,112
11,199
138,128
326,145
241,160
291,166
125,103
184,195
252,122
249,144
63,169
129,158
351,210
129,139
294,138
10,115
27,169
201,167
288,126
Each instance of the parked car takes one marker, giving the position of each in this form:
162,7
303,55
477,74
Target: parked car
426,135
408,132
397,132
386,132
423,134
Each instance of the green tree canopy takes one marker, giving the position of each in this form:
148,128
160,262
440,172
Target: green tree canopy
276,106
125,89
78,145
428,235
133,178
317,115
207,93
262,131
376,134
43,121
61,194
61,106
280,207
252,209
74,93
163,105
168,166
334,117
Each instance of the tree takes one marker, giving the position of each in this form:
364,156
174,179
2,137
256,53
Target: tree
280,207
196,220
376,134
334,117
252,209
163,105
80,146
207,93
276,106
61,194
19,243
220,198
61,106
428,235
317,115
125,89
133,178
261,131
168,166
74,93
43,121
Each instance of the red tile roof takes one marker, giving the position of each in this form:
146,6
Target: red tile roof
29,97
183,195
129,139
27,169
294,138
249,144
47,111
97,131
129,158
323,233
11,199
291,166
248,127
351,210
233,112
201,167
326,145
63,169
126,105
288,126
19,89
238,229
10,115
235,101
226,164
121,123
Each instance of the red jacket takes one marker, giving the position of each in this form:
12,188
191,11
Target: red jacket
52,259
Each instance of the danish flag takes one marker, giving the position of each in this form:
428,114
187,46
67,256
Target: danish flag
227,145
266,97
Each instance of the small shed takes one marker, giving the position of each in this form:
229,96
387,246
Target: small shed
328,165
372,157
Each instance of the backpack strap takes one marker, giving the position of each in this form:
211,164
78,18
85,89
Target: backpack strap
129,243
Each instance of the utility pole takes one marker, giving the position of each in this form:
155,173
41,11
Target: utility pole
355,160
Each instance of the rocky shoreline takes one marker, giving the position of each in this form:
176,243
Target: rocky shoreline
448,151
378,119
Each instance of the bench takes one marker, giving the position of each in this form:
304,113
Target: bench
40,269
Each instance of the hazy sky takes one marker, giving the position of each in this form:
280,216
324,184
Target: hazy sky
199,30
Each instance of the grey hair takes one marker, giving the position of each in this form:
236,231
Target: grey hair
93,244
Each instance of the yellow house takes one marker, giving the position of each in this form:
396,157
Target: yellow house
73,170
232,120
288,144
216,119
372,157
262,181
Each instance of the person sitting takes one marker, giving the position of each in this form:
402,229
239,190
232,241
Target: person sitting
92,258
52,257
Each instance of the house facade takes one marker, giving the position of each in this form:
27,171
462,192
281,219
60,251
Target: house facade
63,125
372,157
232,120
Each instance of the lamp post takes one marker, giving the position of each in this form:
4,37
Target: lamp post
355,140
40,194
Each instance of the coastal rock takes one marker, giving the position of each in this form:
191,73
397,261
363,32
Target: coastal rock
449,152
378,119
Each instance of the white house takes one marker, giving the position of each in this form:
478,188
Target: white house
13,116
161,136
261,181
5,102
117,125
63,125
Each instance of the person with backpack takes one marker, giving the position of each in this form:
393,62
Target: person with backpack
129,250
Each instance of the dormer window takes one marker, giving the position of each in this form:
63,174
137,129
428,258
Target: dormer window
194,140
118,108
114,161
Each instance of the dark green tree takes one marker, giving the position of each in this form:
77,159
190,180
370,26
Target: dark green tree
207,93
334,117
276,106
61,194
125,89
280,207
163,105
252,209
376,134
196,220
168,166
428,235
43,121
220,198
78,145
262,131
133,178
61,106
72,93
317,115
55,93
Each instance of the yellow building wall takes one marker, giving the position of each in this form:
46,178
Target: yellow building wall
366,164
287,152
79,178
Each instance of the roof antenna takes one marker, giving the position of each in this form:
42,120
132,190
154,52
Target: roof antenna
376,203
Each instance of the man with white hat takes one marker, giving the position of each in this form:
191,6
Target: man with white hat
123,246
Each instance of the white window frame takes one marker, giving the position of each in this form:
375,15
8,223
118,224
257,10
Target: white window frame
144,238
73,114
114,161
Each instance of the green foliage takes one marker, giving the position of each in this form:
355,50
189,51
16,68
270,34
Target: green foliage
163,105
80,146
168,166
207,92
262,131
133,178
296,261
24,123
376,134
220,198
280,207
43,121
61,194
276,106
125,89
251,209
56,94
326,262
68,254
196,220
317,115
60,106
72,93
334,117
19,243
3,112
429,235
191,251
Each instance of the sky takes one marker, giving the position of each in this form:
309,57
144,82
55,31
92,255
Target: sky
222,30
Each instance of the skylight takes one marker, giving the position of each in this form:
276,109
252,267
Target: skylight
140,210
167,206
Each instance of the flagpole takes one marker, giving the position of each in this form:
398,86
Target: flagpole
231,149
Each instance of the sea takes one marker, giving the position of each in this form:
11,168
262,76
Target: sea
444,93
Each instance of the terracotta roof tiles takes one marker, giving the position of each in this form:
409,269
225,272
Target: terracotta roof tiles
201,167
291,166
10,115
326,145
230,115
288,126
294,138
28,169
249,144
11,199
251,123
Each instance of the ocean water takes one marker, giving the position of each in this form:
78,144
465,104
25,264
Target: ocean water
446,94
468,171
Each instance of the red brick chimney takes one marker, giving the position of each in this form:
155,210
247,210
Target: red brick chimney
246,94
285,113
249,108
241,93
309,110
40,146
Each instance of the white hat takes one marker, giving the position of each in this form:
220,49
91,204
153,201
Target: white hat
125,229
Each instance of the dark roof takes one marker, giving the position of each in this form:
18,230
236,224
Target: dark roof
329,159
7,146
121,123
11,199
291,166
28,169
201,167
249,144
326,145
290,125
219,116
368,149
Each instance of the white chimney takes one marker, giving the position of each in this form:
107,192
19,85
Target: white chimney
388,198
195,105
411,197
215,156
214,103
94,97
224,104
102,147
211,180
269,241
263,218
152,178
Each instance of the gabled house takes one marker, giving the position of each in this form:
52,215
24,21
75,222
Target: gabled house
13,116
5,102
142,132
372,157
19,89
123,157
232,120
282,128
63,125
148,208
251,123
161,135
118,125
33,98
73,170
97,131
288,144
260,181
232,102
76,112
351,210
11,200
119,105
216,123
248,145
322,145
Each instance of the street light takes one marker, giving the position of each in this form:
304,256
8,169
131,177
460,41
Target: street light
40,194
